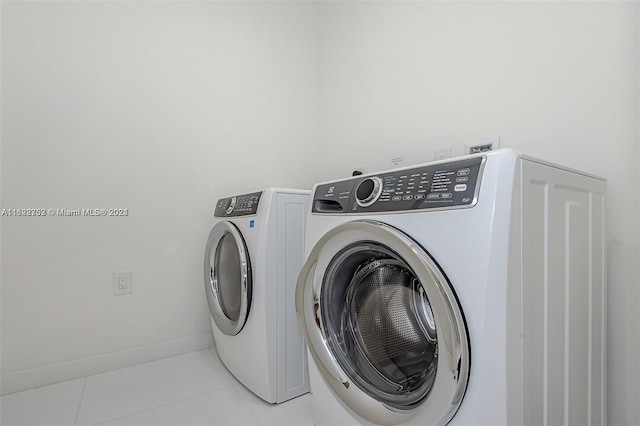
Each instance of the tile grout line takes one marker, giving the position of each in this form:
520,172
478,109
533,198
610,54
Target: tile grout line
244,402
168,403
235,385
84,385
155,408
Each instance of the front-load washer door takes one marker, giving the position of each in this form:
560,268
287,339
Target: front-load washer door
227,278
384,325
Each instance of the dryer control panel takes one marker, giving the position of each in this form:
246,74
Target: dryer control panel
239,205
454,184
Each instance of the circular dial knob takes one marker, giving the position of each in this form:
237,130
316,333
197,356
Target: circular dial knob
368,191
232,204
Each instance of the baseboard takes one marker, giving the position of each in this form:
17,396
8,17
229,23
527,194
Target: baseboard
50,374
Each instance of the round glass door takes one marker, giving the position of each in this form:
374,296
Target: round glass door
227,277
383,325
379,324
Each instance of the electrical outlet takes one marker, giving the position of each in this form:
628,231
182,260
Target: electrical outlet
488,145
122,282
397,160
442,154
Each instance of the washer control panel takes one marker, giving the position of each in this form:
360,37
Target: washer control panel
239,205
454,184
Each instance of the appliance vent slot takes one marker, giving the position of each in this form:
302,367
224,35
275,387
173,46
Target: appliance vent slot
328,206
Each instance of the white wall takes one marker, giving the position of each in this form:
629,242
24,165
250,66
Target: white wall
157,107
556,80
150,105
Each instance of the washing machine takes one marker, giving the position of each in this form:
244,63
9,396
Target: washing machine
252,259
466,291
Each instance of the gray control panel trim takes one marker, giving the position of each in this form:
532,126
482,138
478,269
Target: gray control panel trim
239,205
429,187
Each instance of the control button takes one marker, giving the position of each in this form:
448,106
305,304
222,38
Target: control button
463,172
460,187
368,191
396,198
433,196
462,179
407,197
418,197
447,195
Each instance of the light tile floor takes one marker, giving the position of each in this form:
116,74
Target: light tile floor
191,389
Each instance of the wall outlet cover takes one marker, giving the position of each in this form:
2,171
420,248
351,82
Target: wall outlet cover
442,154
122,282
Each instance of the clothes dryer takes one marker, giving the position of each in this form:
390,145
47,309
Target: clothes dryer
467,291
252,259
